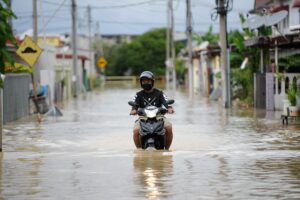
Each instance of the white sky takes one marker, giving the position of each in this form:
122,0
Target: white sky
124,19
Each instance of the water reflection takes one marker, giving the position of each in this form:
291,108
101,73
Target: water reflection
283,173
154,170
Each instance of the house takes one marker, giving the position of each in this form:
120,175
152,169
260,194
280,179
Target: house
206,68
284,19
206,65
113,39
54,67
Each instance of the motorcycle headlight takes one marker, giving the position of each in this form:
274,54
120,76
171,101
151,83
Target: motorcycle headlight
151,113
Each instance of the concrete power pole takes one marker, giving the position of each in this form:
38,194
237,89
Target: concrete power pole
168,47
226,94
173,49
170,62
35,21
74,48
189,30
35,39
99,45
91,70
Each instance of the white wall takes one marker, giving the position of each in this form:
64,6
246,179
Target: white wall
294,17
45,68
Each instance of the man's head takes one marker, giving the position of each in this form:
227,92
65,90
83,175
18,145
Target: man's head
147,80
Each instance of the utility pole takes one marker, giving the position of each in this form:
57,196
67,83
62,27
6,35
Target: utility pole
90,41
99,45
35,21
170,49
35,39
226,91
74,48
173,70
189,30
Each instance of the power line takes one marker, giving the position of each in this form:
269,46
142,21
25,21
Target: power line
137,23
45,11
54,13
104,7
124,5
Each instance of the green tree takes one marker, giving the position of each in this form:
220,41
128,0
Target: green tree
243,79
5,35
209,36
111,53
146,52
289,62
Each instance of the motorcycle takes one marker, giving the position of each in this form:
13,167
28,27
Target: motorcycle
152,131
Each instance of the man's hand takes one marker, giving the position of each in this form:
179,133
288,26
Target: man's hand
170,110
133,112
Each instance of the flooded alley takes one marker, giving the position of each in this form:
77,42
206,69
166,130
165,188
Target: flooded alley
88,153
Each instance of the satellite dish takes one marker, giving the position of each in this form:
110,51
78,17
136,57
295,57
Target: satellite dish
254,22
275,18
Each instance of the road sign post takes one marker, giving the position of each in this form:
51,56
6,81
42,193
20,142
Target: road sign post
29,51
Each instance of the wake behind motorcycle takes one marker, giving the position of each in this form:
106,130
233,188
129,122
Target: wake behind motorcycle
152,131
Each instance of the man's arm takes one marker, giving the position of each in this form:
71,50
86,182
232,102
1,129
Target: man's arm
164,100
134,108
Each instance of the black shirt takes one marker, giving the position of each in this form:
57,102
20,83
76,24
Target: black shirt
154,98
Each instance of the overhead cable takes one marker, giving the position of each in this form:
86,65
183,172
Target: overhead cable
104,7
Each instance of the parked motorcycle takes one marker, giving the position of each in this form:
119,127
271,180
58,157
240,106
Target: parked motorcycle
152,131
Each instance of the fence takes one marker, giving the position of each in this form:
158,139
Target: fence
121,78
15,96
281,86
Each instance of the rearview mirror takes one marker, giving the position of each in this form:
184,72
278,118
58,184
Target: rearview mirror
132,103
171,101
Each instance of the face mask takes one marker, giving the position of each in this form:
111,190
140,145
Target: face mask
147,86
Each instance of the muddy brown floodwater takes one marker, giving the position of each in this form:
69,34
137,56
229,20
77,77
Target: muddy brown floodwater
89,153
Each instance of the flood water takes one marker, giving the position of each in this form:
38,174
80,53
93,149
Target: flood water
89,153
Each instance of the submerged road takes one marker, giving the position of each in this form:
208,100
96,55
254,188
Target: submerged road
89,153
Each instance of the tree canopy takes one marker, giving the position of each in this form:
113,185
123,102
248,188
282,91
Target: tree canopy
146,52
209,36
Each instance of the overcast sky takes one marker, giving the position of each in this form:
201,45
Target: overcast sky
121,16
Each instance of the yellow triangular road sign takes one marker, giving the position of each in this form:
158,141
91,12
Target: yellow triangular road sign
29,51
101,62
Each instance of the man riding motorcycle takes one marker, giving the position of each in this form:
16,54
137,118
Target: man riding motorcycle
151,96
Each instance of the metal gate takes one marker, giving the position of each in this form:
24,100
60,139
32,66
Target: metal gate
15,96
260,91
270,91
